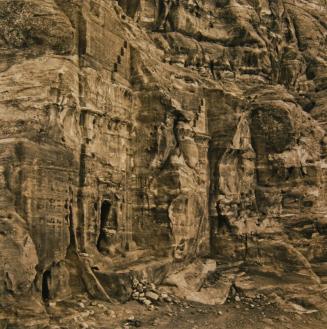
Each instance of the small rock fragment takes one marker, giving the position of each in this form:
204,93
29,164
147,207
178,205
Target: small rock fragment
152,296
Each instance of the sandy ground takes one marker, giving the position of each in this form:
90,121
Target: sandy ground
84,313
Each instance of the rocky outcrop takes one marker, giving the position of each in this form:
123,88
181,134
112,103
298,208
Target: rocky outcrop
18,255
139,135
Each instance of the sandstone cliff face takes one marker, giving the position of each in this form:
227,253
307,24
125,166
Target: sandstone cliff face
154,132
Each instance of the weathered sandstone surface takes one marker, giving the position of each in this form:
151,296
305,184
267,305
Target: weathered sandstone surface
136,136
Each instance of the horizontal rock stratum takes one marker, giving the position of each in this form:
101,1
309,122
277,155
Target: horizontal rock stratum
137,136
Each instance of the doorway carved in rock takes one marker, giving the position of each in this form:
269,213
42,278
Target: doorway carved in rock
108,225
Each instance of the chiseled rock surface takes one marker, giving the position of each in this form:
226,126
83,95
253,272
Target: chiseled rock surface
139,135
18,255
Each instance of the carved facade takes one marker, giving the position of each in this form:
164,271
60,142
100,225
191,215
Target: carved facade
155,132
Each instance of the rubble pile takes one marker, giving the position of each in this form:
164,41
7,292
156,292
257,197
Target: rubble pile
151,296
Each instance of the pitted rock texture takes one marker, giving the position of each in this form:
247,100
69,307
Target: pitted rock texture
139,135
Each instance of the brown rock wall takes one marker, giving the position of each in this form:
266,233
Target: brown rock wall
158,131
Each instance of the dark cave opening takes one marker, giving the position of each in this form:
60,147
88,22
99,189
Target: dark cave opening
105,210
45,285
106,222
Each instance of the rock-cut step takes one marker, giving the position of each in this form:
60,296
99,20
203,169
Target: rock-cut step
118,283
